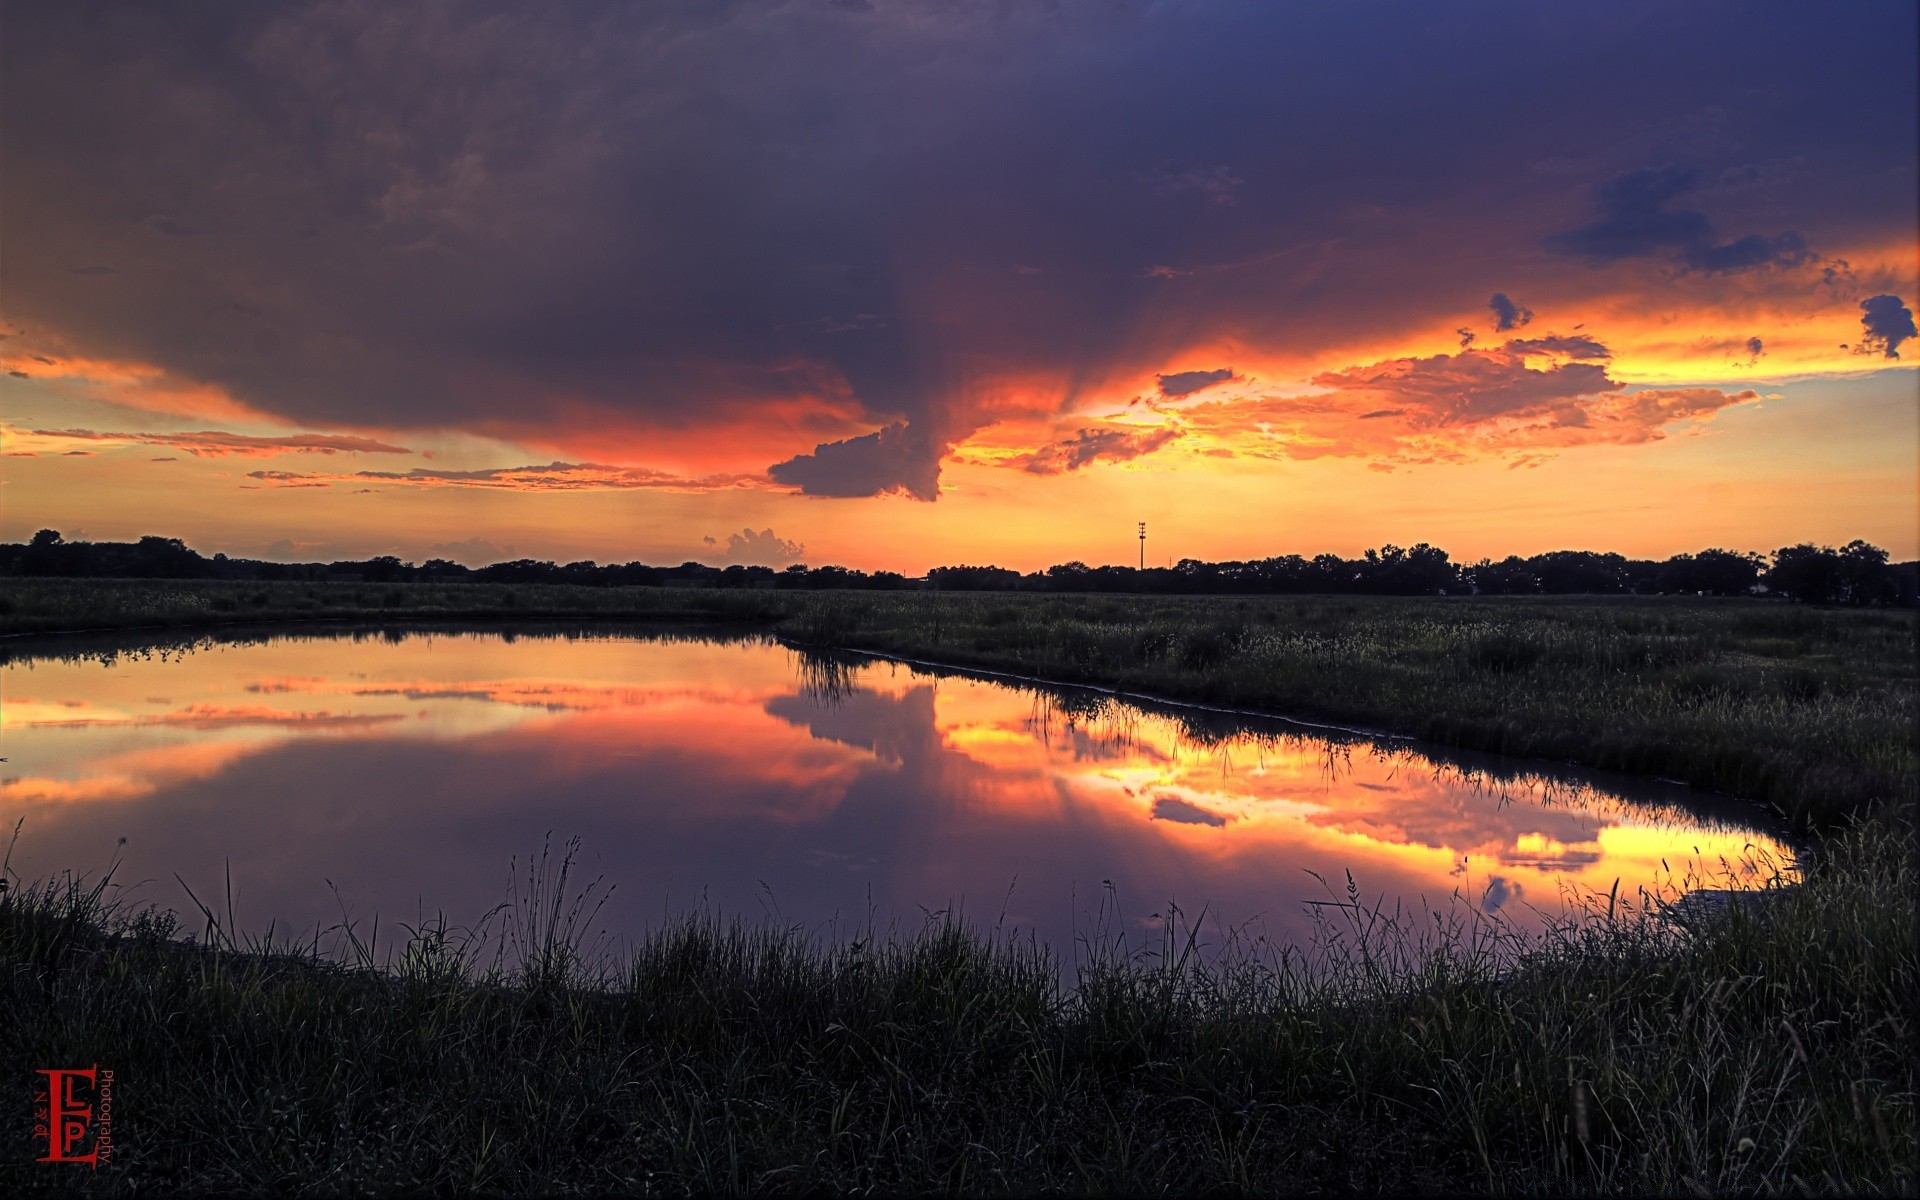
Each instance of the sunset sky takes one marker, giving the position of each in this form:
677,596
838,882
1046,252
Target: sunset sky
899,283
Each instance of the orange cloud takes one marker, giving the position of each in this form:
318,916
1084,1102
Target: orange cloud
1088,445
720,437
213,443
146,386
553,477
1529,395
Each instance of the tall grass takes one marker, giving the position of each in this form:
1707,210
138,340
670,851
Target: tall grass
1769,1049
1812,711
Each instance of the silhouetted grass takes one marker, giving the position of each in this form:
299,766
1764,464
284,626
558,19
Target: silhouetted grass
64,605
1771,1048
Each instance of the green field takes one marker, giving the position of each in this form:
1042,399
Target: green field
1771,1047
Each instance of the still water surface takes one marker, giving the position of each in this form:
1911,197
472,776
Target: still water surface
407,769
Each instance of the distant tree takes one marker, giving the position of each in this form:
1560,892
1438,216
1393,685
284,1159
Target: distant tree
46,537
1906,582
1331,573
1715,572
1422,571
1508,577
1807,573
1067,577
1857,573
1864,575
973,579
1569,572
386,568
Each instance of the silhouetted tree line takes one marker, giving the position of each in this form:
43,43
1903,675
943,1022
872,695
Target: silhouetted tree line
1856,573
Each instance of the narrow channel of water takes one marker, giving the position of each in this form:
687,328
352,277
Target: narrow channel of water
399,772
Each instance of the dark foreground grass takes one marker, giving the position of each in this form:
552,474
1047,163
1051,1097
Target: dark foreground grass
1772,1049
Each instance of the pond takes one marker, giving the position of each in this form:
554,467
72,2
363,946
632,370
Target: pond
308,776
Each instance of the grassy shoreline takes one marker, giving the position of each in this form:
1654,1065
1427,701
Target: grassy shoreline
1767,1049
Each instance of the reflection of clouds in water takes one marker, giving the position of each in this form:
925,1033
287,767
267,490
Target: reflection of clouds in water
1209,769
891,728
1499,891
1547,854
1172,808
724,772
1433,810
222,716
1088,746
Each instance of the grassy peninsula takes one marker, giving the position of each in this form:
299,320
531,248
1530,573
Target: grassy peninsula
1768,1047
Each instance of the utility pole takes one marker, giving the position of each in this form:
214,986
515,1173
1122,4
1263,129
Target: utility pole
1143,545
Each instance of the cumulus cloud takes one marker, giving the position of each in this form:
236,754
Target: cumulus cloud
209,443
1087,446
1636,222
763,549
299,550
1186,383
1887,322
1506,314
472,552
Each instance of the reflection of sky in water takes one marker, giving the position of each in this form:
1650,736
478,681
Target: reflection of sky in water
407,771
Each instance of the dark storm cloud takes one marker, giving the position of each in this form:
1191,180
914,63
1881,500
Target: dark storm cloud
843,229
895,458
1186,383
1780,250
1506,314
1887,322
1584,349
1637,221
